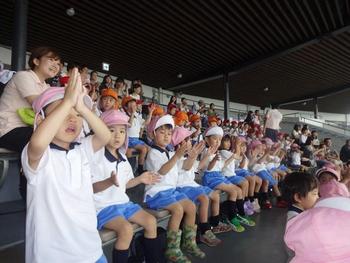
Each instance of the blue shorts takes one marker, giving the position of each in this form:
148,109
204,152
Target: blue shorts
235,179
102,259
243,172
133,141
164,198
107,214
265,175
192,192
283,168
213,179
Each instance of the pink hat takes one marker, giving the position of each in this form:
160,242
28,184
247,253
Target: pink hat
115,117
254,144
330,170
332,189
53,94
267,141
180,134
48,96
242,138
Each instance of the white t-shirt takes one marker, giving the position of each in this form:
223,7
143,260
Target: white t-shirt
156,158
103,165
61,218
296,158
218,164
229,170
135,128
186,178
197,138
273,119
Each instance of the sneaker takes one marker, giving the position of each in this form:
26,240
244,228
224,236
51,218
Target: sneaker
221,228
266,205
256,206
282,204
248,209
209,239
246,220
235,225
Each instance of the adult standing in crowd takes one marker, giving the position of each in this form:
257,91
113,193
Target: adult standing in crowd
183,105
19,93
345,152
211,110
172,104
272,124
121,87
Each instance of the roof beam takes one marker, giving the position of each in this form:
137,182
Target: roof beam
321,94
262,59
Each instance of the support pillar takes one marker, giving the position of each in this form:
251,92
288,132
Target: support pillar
315,108
19,42
226,96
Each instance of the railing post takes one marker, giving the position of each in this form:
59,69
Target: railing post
226,95
19,45
315,108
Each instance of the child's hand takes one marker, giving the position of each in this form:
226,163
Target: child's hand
149,178
212,150
80,105
181,150
72,92
152,108
114,178
196,150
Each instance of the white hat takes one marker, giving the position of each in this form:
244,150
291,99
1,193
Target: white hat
166,119
215,130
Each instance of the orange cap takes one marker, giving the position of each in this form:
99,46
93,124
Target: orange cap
212,119
126,100
194,118
158,111
180,116
109,92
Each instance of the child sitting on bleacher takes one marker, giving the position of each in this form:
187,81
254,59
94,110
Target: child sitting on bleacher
108,100
186,184
111,176
228,156
259,158
196,128
214,179
61,217
255,182
163,195
136,126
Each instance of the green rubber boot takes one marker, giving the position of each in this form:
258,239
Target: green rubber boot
173,252
189,244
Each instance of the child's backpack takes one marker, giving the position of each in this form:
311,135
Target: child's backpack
137,249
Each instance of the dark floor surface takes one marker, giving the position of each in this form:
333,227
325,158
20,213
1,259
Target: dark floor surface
260,244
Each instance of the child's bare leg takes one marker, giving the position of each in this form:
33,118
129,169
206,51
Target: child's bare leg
251,182
177,213
124,232
147,221
244,185
215,203
203,208
276,190
230,189
142,149
258,183
189,210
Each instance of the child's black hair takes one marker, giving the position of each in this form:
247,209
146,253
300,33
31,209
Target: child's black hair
166,126
298,183
226,137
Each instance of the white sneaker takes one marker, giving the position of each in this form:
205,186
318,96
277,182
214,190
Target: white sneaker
256,206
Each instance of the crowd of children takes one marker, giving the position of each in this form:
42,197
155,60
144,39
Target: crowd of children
77,168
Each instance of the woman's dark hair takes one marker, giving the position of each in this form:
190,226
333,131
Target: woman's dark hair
296,127
92,72
72,65
135,86
171,99
298,183
39,52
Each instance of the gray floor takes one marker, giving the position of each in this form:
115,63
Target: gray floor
262,243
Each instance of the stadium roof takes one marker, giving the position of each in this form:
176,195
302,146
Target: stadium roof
295,49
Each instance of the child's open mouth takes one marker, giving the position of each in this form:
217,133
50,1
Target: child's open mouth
70,129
